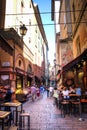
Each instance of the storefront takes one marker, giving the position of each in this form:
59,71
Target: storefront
14,70
20,80
5,69
29,76
29,79
76,71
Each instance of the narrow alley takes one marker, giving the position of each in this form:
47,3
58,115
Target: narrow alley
45,116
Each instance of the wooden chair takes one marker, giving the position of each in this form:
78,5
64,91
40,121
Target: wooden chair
65,107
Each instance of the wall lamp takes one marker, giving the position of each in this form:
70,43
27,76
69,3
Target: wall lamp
23,30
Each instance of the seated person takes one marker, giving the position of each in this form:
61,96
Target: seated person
65,93
78,90
72,90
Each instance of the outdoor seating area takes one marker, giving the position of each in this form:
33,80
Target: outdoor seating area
10,113
75,106
4,119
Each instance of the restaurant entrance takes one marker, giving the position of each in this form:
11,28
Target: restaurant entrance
19,82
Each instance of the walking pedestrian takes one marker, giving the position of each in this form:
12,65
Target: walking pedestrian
55,95
33,92
42,89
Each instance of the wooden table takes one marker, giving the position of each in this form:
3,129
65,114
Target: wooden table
74,95
14,105
83,100
3,116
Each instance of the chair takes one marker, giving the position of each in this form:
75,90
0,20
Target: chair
75,107
64,107
24,121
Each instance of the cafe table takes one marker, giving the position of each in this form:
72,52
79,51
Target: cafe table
74,95
14,105
3,116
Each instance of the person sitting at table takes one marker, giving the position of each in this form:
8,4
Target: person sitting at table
8,99
8,95
65,93
78,90
72,90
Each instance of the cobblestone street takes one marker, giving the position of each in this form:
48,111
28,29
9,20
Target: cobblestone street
45,116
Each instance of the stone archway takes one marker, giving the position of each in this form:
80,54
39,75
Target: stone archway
19,62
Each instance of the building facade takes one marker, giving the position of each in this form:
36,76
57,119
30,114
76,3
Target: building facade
72,41
25,60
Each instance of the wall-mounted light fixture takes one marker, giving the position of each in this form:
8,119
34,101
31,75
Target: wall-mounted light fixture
23,30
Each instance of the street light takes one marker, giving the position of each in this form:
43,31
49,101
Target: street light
23,30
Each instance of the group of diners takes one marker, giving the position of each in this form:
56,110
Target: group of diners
68,96
67,93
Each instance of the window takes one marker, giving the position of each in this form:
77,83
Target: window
65,19
29,40
22,6
29,69
19,63
36,29
35,58
38,45
30,22
30,4
73,7
78,46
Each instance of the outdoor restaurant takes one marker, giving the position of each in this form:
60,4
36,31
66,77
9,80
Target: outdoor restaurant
75,73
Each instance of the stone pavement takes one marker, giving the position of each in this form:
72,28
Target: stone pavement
45,116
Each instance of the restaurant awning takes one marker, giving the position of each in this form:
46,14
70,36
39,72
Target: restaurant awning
76,61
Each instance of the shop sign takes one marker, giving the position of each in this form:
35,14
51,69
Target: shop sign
5,64
4,77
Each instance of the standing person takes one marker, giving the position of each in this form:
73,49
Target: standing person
42,89
33,92
55,95
37,92
47,88
50,91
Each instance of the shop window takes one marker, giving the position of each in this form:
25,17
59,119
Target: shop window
19,81
29,69
73,7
